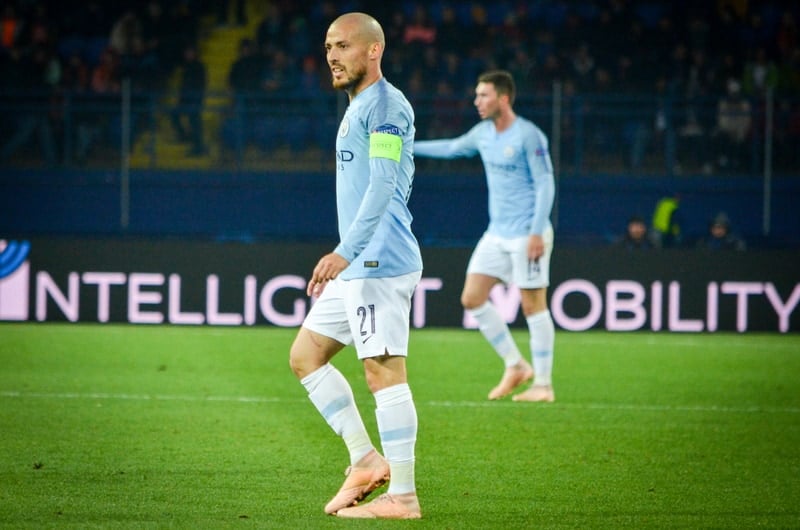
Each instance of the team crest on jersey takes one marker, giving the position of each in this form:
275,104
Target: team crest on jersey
344,127
508,152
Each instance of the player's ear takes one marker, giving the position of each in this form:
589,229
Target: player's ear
375,50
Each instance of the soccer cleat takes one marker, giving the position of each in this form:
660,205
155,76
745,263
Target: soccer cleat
369,473
512,378
387,506
538,393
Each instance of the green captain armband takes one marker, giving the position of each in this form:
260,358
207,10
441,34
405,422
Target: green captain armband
385,145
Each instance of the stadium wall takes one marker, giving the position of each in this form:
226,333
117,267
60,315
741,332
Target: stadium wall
253,284
449,209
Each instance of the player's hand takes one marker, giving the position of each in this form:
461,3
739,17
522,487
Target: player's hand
328,268
535,247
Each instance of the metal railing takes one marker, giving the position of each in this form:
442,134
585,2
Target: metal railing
590,133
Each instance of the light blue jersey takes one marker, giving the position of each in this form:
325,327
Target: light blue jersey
374,173
519,173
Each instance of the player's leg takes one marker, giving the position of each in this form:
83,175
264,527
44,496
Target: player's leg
489,265
533,279
382,332
323,334
542,340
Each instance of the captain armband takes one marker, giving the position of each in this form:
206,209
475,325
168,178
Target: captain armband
385,145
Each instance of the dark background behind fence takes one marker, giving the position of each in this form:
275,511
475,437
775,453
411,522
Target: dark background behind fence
111,127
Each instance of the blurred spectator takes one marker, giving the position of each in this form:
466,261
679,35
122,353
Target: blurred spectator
583,65
155,31
720,237
787,38
700,79
787,156
105,75
667,222
99,109
309,81
186,116
11,26
478,27
142,67
451,37
277,125
309,107
429,64
636,236
419,32
631,47
321,16
280,73
76,74
522,67
692,145
760,74
789,75
239,12
244,81
247,70
729,68
298,39
271,31
184,24
446,111
92,20
734,121
41,30
25,76
125,31
76,84
395,27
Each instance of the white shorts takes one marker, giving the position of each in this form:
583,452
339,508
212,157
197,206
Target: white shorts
507,260
371,313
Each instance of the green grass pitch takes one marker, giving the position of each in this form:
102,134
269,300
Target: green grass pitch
107,426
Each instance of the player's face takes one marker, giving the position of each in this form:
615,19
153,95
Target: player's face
487,101
347,57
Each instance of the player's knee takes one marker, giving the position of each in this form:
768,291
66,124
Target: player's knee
296,363
471,301
300,361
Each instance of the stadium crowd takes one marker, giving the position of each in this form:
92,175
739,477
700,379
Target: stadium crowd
718,59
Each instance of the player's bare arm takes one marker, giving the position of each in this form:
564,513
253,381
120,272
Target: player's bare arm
535,247
328,268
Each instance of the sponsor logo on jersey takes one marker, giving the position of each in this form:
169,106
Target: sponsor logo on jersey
389,129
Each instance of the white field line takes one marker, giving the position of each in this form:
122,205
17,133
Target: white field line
10,394
790,345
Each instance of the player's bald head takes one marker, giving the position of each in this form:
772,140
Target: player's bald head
361,26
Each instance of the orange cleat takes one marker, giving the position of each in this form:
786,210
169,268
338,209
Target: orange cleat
370,473
387,506
512,378
537,393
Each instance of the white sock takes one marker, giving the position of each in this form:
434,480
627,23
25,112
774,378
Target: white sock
496,331
331,394
543,335
397,425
